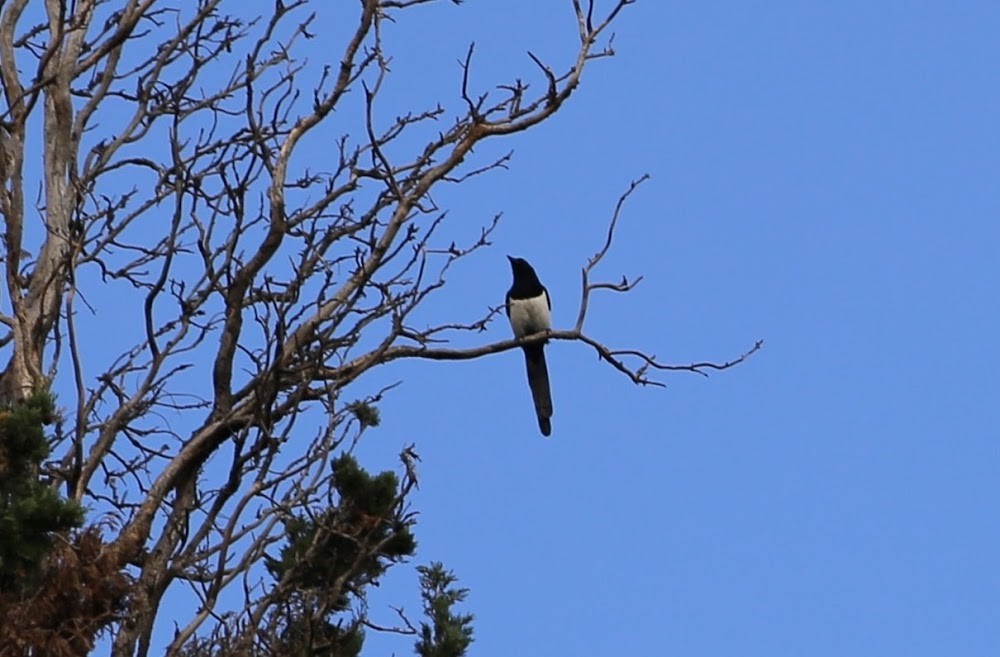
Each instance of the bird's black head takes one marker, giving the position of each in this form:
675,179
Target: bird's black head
520,267
525,278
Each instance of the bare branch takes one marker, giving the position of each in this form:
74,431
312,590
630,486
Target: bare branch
625,285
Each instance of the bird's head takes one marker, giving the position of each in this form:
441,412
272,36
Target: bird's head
522,271
518,264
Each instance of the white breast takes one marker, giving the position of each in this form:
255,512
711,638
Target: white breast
529,316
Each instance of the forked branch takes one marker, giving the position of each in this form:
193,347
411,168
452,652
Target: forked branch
633,363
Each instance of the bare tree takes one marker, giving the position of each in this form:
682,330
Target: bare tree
170,137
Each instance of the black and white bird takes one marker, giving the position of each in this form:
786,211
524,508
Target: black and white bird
530,311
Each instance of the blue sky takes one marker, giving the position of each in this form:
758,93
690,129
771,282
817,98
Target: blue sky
824,178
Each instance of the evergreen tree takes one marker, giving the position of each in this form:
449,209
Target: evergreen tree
332,555
448,634
30,511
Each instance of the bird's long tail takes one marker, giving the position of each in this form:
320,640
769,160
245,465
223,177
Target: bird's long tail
538,380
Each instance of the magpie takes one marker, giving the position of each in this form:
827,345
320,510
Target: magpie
530,311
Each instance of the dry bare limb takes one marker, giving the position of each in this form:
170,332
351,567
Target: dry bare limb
621,359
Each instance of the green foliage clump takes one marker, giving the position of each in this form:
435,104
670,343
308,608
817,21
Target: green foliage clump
305,635
359,537
365,413
30,512
333,553
447,634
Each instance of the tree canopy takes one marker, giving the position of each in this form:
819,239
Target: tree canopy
166,139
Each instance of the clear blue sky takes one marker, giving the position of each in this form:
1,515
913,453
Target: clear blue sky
826,177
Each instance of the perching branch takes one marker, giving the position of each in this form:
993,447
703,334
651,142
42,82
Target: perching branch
634,364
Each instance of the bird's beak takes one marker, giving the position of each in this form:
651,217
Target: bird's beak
511,258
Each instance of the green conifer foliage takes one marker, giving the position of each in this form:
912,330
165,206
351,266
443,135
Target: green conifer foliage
333,554
30,512
447,634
